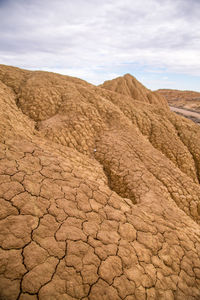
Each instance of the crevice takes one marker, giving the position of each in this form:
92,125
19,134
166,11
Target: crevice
17,102
115,182
179,134
36,127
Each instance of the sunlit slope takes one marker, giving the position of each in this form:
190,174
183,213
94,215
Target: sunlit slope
130,86
99,193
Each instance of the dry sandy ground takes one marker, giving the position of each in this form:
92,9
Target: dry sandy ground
195,116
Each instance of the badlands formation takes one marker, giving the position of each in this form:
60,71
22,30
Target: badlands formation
183,99
99,191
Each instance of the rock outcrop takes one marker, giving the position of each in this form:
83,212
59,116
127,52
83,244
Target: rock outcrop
99,191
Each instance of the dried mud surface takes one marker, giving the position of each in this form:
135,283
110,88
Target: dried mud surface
99,191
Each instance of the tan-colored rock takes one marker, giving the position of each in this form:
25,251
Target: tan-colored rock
130,86
99,191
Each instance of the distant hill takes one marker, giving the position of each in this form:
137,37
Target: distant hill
130,86
183,99
99,191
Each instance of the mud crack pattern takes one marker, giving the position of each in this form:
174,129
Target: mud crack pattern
99,193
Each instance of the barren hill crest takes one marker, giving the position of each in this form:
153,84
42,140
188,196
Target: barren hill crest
99,191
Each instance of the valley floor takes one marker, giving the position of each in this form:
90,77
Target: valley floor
195,116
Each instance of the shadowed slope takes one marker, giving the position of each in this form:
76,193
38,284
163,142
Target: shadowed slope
99,194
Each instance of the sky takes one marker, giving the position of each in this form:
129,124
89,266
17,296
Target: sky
156,41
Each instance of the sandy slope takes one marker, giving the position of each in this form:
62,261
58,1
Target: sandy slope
99,191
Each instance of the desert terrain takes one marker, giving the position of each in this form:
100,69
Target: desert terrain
192,115
99,191
189,100
185,103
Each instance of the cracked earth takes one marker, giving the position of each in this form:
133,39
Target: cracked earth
99,191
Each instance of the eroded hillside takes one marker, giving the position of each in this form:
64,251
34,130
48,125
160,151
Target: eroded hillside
183,99
99,191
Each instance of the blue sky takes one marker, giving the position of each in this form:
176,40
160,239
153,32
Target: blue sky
156,41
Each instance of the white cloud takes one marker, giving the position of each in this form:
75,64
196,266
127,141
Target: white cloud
92,39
